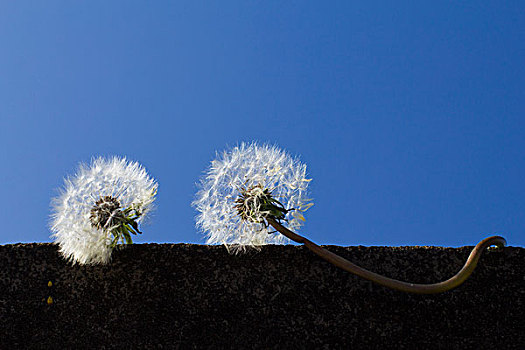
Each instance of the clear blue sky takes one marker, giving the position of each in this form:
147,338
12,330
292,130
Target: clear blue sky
410,115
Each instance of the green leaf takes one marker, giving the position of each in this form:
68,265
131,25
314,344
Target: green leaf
127,237
135,226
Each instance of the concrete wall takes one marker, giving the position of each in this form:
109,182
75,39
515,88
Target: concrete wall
283,297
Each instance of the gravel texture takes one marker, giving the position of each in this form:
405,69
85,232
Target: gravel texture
164,296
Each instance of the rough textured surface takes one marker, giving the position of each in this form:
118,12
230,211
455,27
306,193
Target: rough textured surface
194,296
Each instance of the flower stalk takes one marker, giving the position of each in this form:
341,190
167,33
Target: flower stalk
433,288
256,204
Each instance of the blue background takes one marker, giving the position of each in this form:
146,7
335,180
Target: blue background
410,115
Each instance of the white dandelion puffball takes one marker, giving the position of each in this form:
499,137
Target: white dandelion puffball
99,207
243,186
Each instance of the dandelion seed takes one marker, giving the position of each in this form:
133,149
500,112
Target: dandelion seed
101,207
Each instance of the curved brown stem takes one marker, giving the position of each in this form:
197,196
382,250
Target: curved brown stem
346,265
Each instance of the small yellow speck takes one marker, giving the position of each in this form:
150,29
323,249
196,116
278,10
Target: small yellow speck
49,300
50,284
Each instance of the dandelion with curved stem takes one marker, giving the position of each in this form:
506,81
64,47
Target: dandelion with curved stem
101,207
238,202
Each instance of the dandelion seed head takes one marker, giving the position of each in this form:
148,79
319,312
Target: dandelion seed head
85,211
232,193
